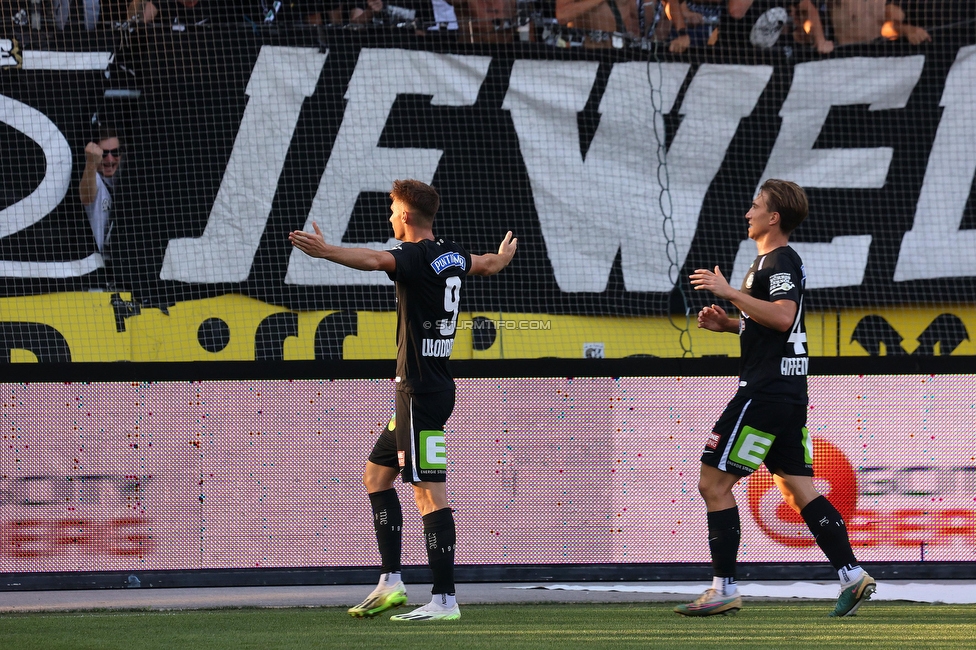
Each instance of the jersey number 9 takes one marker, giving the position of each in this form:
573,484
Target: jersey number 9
452,298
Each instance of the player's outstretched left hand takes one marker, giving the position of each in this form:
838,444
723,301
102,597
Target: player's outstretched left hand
508,246
312,244
712,281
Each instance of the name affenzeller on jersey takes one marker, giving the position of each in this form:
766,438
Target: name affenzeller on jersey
790,366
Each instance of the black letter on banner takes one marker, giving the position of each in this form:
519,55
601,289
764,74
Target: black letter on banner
269,341
47,344
947,330
872,331
332,331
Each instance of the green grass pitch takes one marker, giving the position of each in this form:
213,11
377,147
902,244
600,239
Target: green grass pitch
765,625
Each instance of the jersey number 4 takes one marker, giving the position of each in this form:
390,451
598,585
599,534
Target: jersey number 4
797,336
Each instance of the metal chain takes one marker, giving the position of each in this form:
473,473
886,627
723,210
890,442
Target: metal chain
664,201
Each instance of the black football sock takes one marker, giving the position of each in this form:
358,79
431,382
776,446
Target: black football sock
440,537
388,523
723,541
830,532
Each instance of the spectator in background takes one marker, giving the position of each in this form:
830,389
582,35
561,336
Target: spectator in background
862,21
327,12
600,23
95,11
309,12
98,182
763,24
675,23
808,27
371,12
180,13
145,11
62,11
702,19
416,13
486,21
445,17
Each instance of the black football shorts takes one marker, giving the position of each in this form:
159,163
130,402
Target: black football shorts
413,441
751,432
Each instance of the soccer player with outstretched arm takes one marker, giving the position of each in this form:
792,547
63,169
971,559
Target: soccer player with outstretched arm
429,274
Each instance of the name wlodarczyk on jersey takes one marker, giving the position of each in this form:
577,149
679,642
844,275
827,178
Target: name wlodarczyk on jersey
437,347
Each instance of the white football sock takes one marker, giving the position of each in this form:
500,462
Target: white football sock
445,601
724,586
849,574
387,579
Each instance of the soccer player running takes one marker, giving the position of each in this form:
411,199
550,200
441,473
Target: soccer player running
766,420
429,273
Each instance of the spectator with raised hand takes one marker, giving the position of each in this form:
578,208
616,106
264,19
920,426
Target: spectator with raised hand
98,181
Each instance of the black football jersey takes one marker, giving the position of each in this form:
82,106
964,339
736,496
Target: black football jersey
773,365
429,277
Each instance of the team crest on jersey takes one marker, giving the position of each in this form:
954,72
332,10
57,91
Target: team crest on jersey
749,279
780,283
446,261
